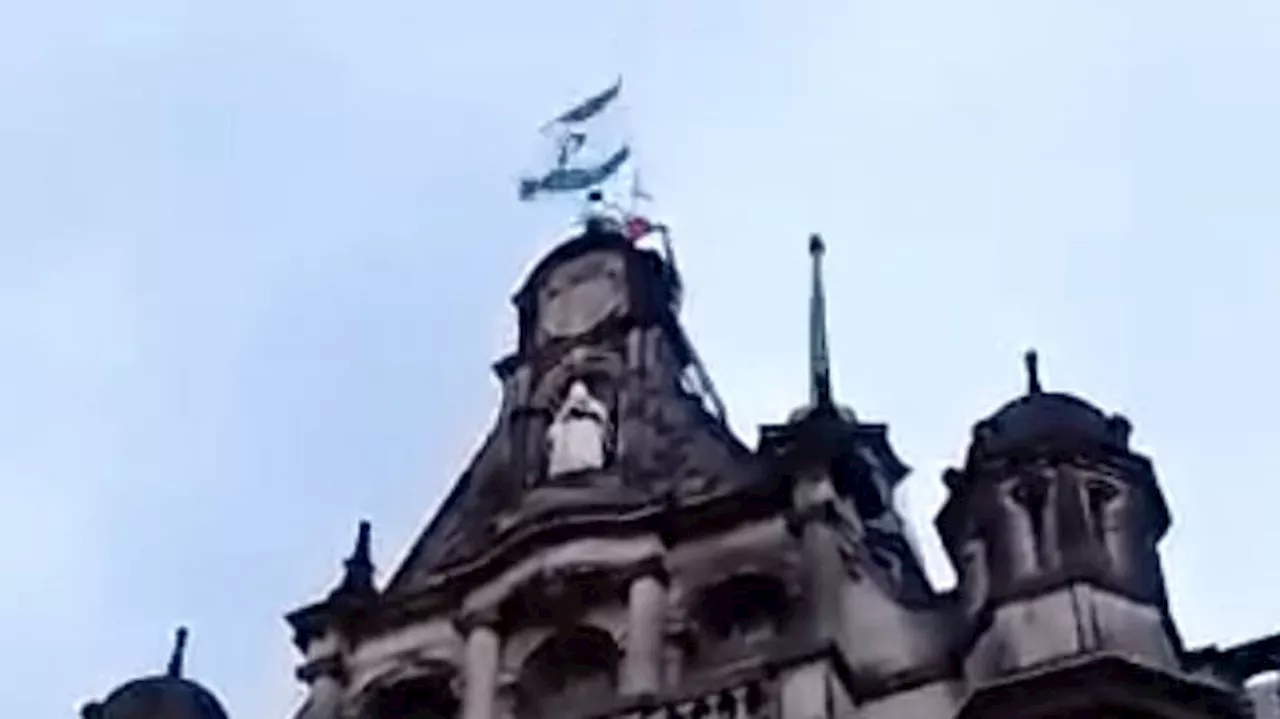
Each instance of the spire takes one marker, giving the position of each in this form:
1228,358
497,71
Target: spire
1033,372
179,650
358,578
819,361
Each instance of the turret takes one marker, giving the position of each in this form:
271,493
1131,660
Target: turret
163,696
324,631
1053,526
864,589
843,474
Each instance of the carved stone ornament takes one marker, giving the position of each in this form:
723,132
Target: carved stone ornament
582,294
580,435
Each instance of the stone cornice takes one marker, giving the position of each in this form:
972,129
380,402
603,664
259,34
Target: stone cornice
1115,682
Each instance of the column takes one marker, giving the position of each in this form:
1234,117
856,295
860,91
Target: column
646,627
481,670
824,568
675,636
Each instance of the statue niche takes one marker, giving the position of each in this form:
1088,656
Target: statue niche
580,438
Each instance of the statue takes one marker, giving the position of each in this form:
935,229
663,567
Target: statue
579,437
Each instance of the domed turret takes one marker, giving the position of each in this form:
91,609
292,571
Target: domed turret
1042,421
165,696
1054,516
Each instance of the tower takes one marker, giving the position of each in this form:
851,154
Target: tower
613,549
1053,525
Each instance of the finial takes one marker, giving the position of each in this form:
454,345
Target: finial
179,650
1033,372
364,533
358,577
819,360
816,245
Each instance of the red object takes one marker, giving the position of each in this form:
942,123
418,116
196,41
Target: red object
638,227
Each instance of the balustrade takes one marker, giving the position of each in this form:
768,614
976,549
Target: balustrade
748,699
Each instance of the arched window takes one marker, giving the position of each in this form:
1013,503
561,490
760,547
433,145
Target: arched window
418,698
747,607
568,672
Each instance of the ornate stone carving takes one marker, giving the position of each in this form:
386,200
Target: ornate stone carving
580,437
581,294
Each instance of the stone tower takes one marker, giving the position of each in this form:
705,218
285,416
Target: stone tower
1053,525
613,550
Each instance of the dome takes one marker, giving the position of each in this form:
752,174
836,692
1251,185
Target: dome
1042,419
163,696
159,697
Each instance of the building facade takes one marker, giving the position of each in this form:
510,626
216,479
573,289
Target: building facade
613,550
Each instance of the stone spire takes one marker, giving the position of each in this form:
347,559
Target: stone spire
358,577
179,653
819,357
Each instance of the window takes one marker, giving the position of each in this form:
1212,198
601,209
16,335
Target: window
569,671
746,608
421,698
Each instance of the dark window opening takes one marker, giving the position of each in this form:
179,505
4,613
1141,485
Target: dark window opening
568,672
426,698
745,608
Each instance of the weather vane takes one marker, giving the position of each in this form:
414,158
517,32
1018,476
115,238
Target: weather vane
568,133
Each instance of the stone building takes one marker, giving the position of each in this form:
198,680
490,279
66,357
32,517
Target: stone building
613,550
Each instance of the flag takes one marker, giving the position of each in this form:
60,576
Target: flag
582,160
637,227
570,179
590,107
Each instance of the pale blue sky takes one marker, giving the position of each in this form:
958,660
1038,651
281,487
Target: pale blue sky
255,258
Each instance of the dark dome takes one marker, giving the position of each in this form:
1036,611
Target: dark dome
159,697
164,696
1041,419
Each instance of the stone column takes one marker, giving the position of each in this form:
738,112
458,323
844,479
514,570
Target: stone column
824,568
481,670
676,635
646,629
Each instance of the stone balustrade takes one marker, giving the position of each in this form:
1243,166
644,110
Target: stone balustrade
744,699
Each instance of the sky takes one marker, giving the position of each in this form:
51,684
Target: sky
256,257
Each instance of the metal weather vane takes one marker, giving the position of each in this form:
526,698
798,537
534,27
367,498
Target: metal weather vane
570,136
569,132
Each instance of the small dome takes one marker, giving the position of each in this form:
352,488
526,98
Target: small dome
159,697
163,696
1041,419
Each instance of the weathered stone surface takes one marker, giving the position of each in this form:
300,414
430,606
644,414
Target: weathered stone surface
612,550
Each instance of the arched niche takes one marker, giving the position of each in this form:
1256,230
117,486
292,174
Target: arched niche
571,669
743,609
419,691
600,368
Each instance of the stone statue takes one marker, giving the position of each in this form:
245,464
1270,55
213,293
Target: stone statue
579,437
